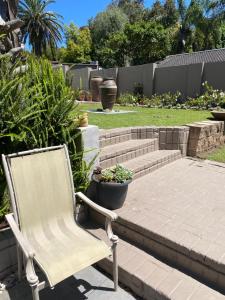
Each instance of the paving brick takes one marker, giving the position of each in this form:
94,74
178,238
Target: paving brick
185,289
170,283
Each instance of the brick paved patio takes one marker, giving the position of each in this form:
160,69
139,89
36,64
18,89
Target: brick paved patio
175,219
184,202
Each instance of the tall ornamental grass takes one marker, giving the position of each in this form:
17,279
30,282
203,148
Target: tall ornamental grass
37,109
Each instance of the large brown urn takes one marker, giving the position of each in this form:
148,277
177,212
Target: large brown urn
108,92
94,84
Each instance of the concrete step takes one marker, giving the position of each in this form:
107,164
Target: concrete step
151,161
121,152
114,136
152,279
119,135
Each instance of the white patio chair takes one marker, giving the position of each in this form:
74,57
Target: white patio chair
43,201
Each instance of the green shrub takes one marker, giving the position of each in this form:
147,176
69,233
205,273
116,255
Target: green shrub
37,109
127,98
164,100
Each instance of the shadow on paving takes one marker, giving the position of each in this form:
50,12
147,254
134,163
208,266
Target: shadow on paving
87,284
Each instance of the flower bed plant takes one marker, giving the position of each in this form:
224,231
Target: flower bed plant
210,99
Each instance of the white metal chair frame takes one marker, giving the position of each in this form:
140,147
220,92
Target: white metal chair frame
24,250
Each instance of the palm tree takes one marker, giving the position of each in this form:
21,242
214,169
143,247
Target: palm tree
185,19
200,24
42,28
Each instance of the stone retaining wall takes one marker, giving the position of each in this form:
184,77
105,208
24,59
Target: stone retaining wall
191,139
205,136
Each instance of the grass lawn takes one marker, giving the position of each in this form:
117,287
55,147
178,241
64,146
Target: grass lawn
144,117
216,155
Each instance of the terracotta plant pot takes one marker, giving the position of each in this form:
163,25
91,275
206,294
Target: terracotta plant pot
94,85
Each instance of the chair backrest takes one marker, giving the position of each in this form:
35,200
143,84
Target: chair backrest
40,184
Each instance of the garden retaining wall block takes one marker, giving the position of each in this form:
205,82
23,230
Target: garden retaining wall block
205,136
174,138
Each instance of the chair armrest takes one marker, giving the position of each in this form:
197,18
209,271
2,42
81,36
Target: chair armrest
26,248
106,212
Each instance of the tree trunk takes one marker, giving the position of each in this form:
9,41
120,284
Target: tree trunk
9,26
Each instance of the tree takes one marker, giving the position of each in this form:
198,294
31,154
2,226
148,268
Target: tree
78,45
170,15
102,28
113,53
134,9
9,28
42,28
166,13
106,23
147,42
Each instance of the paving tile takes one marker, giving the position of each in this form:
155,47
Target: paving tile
170,283
185,289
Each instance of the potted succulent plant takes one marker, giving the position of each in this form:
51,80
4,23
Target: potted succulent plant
111,186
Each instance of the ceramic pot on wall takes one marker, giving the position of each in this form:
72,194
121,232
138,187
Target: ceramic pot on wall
94,84
108,92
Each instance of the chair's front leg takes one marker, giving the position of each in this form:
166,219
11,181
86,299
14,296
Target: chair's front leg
115,263
19,262
32,278
114,239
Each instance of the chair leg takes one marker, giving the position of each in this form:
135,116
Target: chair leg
115,263
19,263
35,291
32,278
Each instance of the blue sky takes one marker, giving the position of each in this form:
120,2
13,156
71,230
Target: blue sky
80,11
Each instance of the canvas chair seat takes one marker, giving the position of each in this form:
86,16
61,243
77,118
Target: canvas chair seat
63,248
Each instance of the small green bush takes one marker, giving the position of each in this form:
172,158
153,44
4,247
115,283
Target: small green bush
126,99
